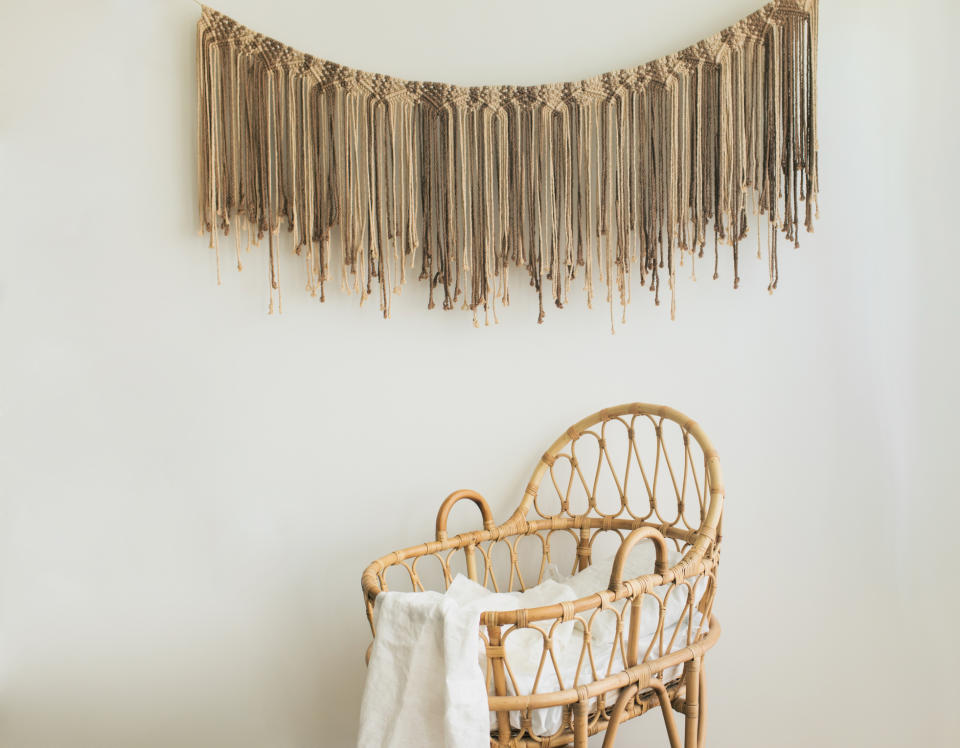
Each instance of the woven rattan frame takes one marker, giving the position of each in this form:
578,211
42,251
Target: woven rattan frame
640,685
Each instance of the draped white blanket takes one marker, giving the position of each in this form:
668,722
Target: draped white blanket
425,685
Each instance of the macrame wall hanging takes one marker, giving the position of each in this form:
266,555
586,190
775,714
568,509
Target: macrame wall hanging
626,173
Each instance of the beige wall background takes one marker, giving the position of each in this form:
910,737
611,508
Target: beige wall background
189,488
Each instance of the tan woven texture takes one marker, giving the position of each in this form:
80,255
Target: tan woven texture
628,474
626,172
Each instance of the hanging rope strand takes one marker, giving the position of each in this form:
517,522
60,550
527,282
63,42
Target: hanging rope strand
589,176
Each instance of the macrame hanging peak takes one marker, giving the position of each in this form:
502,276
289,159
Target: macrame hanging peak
620,174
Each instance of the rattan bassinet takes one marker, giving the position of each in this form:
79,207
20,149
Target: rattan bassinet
628,474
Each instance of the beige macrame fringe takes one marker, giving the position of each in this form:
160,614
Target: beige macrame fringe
618,172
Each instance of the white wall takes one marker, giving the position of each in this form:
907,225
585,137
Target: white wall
189,488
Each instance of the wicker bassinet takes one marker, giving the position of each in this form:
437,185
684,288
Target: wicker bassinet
627,474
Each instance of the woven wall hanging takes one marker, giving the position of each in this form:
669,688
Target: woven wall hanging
620,174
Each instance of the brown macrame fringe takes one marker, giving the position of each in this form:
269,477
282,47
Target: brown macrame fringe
622,170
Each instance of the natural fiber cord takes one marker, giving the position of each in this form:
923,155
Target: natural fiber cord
624,172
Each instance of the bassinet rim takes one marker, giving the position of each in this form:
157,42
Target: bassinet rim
693,562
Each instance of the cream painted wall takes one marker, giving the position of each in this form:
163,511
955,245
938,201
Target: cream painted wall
189,488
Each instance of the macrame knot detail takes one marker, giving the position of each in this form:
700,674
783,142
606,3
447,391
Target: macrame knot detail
617,179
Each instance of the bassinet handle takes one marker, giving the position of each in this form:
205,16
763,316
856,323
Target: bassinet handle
447,505
641,533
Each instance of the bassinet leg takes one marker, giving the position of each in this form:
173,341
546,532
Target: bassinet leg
702,722
617,715
581,716
499,680
666,710
692,703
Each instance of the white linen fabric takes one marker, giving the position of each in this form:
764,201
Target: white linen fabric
426,685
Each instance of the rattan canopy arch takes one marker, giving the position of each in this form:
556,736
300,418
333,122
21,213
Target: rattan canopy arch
678,505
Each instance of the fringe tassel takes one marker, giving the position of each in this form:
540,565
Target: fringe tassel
599,176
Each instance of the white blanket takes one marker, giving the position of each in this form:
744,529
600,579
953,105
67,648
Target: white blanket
425,683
